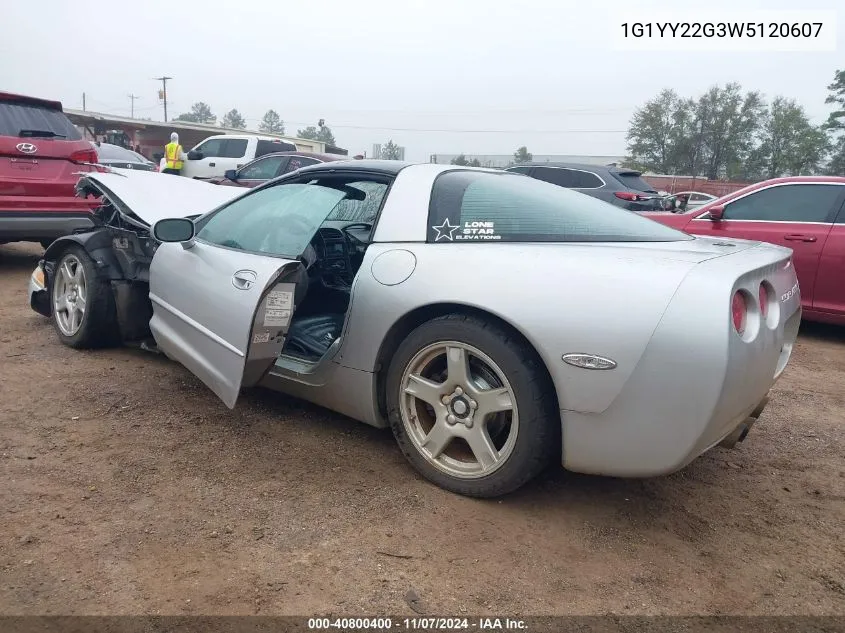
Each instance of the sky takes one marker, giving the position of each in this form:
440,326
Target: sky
435,76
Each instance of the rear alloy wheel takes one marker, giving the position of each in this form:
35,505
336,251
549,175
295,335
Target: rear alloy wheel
81,304
471,409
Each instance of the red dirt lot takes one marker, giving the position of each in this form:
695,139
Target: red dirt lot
128,488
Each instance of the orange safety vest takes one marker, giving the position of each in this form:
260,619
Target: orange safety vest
173,155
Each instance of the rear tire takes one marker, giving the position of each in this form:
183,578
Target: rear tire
471,406
82,305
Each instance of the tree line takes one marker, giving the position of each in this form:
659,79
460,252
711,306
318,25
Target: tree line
271,123
728,133
521,155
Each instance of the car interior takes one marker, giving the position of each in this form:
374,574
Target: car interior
331,261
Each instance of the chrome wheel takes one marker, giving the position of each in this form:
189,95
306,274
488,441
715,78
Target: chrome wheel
459,409
70,292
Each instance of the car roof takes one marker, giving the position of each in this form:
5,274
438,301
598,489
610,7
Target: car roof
48,103
767,183
321,156
391,167
581,166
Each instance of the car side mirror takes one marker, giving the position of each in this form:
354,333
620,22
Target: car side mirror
194,155
716,213
174,230
231,174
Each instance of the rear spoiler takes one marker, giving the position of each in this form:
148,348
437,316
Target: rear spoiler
45,103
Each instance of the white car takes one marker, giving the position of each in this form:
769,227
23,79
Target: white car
214,156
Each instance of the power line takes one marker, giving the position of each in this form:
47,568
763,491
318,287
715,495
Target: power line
344,126
456,130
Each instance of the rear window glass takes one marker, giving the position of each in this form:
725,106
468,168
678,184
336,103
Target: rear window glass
16,117
113,152
269,147
481,206
632,180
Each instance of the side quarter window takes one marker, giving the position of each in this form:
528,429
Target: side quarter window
788,203
263,169
298,162
233,148
211,148
556,176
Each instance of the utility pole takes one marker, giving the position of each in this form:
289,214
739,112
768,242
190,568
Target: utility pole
163,81
83,102
132,98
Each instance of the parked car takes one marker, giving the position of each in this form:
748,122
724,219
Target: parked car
805,214
496,323
41,155
694,199
214,156
618,186
117,156
272,165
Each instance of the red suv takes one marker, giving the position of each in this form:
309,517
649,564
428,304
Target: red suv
41,155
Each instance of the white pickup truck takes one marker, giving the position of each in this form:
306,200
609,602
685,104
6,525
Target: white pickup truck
216,154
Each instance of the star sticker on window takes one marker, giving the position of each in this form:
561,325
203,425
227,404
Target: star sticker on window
445,230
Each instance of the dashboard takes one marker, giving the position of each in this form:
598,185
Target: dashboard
340,251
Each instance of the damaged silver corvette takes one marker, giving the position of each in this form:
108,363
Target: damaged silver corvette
495,322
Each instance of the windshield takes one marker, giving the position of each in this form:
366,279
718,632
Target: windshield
483,206
278,221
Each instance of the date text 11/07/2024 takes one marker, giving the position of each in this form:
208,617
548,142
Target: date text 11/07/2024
417,624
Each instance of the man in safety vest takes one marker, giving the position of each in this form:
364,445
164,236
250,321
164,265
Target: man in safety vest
173,156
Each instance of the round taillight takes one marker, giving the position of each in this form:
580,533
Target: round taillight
764,300
739,310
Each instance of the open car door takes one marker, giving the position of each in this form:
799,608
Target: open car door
223,300
222,314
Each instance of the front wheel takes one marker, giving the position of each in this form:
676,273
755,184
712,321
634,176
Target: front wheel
82,307
471,406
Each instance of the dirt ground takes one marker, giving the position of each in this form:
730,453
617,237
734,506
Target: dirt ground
127,488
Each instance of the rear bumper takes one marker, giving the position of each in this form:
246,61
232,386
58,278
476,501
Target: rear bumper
697,381
41,225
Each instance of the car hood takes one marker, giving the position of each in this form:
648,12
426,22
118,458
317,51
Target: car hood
152,196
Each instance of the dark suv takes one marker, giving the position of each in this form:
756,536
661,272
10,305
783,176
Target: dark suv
41,155
619,186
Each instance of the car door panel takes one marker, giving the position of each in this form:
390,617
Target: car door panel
805,240
795,215
221,313
830,279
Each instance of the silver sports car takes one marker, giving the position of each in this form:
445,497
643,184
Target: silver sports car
495,322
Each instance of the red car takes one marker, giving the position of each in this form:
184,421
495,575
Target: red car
41,155
270,166
806,214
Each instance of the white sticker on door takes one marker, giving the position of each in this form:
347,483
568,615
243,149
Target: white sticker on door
279,300
261,337
276,318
